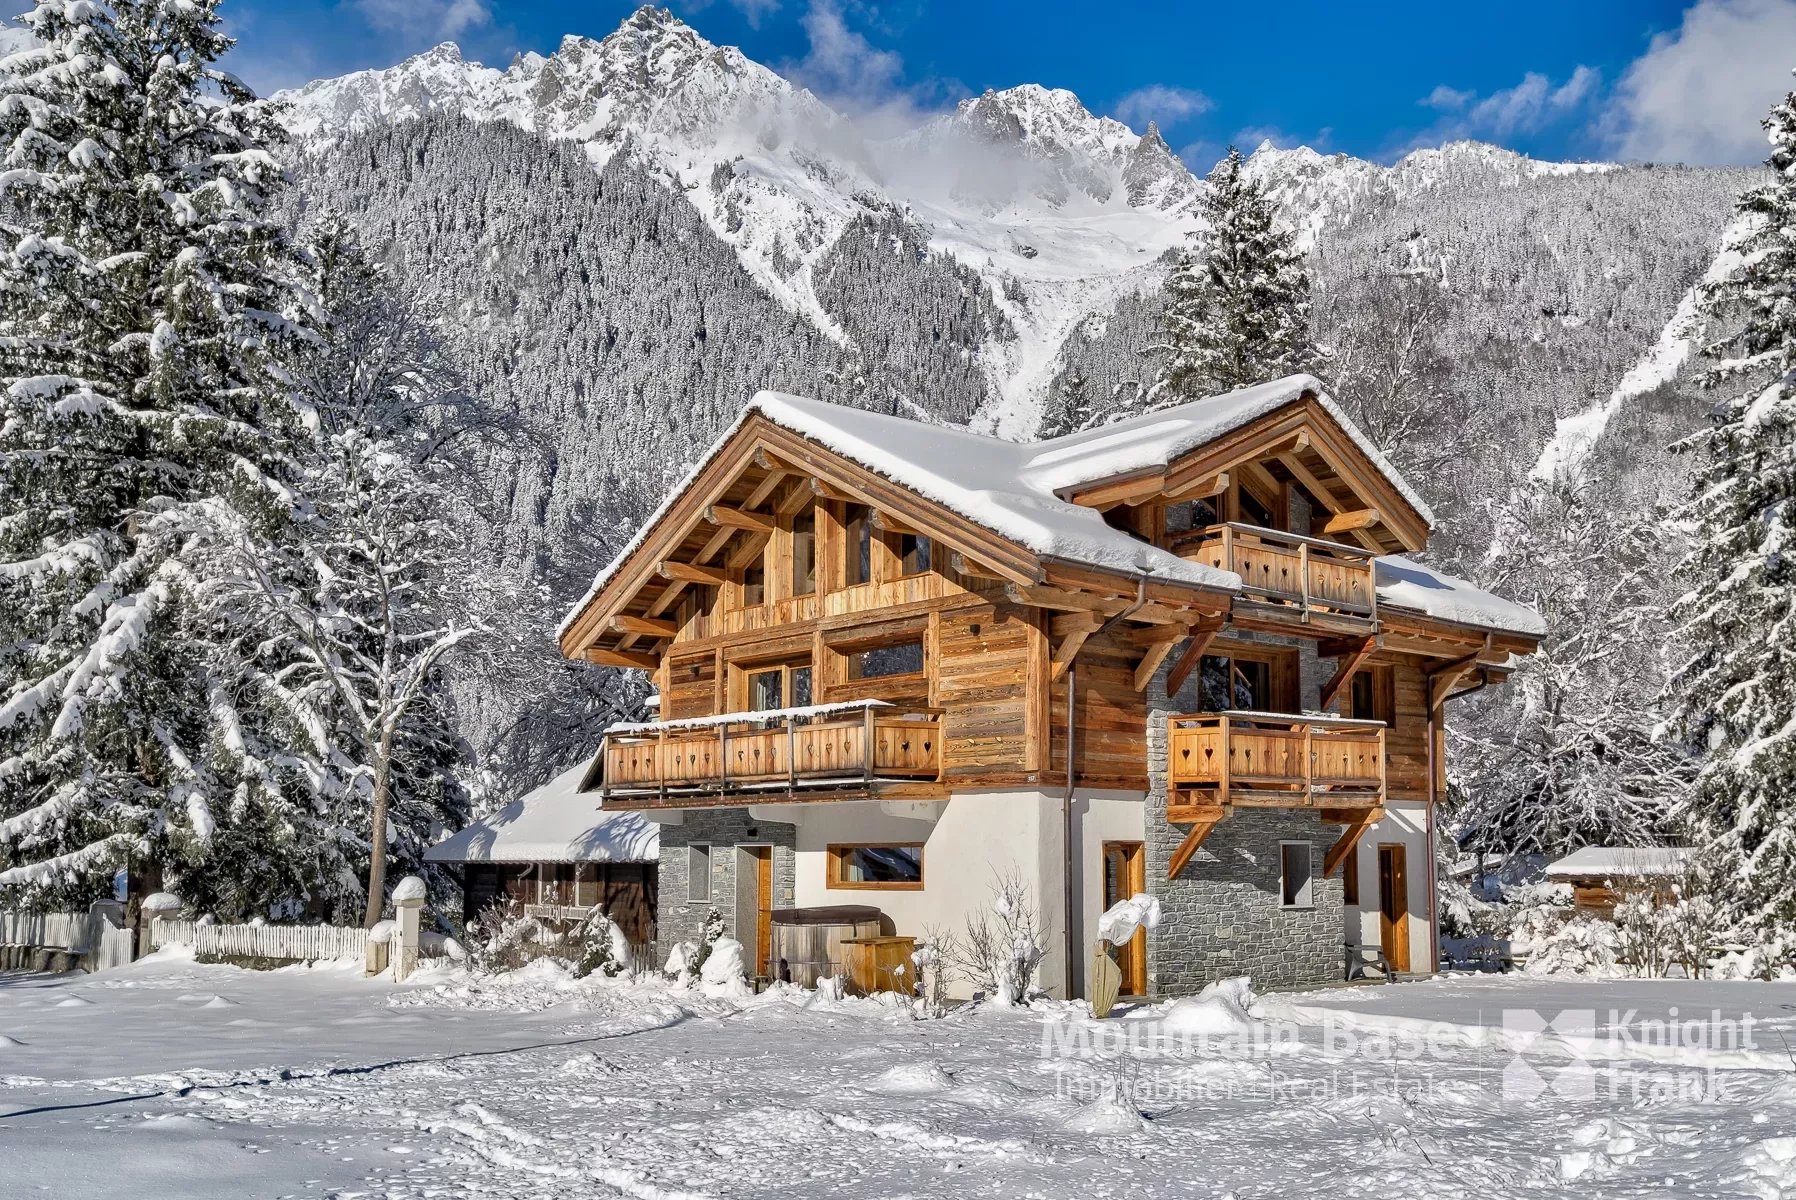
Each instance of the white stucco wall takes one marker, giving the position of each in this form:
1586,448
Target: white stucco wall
977,837
1098,817
1404,823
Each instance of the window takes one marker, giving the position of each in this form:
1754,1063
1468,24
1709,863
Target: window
1294,875
698,873
914,552
780,685
894,867
804,553
754,584
1257,680
1254,511
859,541
881,662
1350,877
1372,695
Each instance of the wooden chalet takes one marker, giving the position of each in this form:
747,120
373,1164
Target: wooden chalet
1182,654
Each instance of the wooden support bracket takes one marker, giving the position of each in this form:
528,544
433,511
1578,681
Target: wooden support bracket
1360,518
685,572
1150,662
621,658
1442,680
1201,829
1201,637
1350,836
739,518
1349,664
1072,643
659,627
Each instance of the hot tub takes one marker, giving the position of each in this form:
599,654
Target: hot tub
807,942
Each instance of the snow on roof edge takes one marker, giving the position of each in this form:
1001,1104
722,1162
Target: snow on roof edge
553,823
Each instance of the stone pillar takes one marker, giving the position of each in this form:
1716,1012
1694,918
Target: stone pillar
408,910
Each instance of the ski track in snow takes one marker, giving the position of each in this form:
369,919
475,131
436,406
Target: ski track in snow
604,1090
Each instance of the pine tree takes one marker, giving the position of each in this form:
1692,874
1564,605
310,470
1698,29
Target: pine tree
1070,409
139,299
1237,299
1736,691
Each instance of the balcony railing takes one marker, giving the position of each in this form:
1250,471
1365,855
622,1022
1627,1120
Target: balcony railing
1286,567
1276,760
859,744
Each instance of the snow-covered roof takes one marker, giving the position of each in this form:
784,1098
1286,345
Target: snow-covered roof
1010,488
1611,862
1408,584
1153,441
554,823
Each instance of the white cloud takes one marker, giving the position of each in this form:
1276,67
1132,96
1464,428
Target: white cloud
754,10
425,19
1448,99
1160,102
842,64
1530,105
1698,94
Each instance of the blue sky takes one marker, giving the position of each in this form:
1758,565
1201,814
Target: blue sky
1631,79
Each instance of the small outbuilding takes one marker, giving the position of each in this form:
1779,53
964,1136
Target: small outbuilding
558,855
1600,876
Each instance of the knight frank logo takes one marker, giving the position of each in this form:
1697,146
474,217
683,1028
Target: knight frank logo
1549,1055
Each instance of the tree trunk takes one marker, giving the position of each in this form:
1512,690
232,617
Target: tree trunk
377,844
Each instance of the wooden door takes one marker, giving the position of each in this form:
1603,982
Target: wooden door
1393,905
763,856
1125,875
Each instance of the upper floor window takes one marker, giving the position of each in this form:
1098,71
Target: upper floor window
1372,696
884,661
858,527
914,554
754,584
779,685
804,553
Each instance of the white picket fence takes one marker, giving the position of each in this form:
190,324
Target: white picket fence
97,935
297,942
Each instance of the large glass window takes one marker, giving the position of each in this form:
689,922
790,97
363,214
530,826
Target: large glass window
914,554
858,525
894,867
881,662
781,685
804,553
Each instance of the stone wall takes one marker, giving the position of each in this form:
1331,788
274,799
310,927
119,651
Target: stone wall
1221,916
723,829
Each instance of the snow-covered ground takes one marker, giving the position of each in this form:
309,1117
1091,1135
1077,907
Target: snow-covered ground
172,1079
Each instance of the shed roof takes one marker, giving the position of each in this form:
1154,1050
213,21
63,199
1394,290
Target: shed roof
1611,862
554,823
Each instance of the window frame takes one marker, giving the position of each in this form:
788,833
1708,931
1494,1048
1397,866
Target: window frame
837,857
1305,896
695,850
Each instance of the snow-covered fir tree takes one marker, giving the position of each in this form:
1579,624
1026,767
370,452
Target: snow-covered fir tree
343,630
1068,409
1237,299
1736,691
140,300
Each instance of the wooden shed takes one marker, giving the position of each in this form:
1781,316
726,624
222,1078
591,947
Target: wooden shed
1601,875
559,855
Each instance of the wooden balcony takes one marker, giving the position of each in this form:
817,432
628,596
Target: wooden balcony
864,747
1307,574
1272,760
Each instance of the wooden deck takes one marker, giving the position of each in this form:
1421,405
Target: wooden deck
1309,574
1269,760
767,756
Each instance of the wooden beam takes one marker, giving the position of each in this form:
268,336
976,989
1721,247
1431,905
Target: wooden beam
1359,518
962,565
1201,637
753,546
1199,831
1121,491
1072,643
1153,635
888,522
686,572
1203,489
739,518
1349,664
644,626
1442,680
1350,836
827,491
770,483
768,461
1311,484
1062,600
620,658
797,498
1261,476
1150,662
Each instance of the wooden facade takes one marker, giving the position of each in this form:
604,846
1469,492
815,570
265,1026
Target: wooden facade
786,576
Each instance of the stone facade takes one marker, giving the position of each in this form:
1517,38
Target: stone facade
1222,916
723,829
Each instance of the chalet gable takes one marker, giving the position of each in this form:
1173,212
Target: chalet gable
964,492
